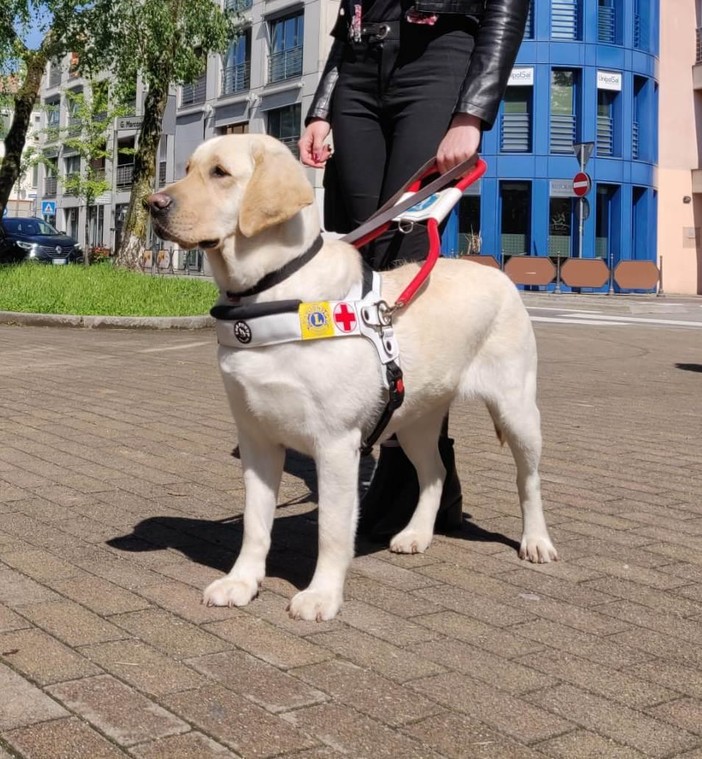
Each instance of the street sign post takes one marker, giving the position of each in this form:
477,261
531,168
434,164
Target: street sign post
583,151
48,208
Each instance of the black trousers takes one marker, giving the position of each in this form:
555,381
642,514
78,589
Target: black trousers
392,105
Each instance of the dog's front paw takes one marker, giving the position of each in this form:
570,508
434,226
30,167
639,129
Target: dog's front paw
314,605
228,591
537,549
410,541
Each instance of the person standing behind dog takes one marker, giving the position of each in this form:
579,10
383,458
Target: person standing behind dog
404,83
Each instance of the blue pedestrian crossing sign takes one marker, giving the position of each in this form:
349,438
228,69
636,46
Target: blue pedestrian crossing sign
48,208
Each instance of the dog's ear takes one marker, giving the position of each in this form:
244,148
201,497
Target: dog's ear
277,190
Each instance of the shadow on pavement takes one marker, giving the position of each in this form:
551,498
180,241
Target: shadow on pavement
689,367
293,553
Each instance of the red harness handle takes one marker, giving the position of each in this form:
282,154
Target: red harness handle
434,217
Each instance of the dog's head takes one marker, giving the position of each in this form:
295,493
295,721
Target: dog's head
235,185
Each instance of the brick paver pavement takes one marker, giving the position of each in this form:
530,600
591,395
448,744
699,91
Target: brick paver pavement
119,501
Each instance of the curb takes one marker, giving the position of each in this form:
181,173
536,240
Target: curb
106,322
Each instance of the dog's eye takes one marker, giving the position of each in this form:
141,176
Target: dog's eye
218,171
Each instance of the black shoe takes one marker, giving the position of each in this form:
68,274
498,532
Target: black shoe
389,504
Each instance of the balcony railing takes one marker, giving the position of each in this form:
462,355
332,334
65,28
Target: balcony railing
635,140
236,78
606,25
50,184
237,6
562,134
698,54
285,65
193,94
53,131
162,173
605,136
124,177
515,137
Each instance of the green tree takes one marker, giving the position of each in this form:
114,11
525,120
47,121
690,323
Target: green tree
92,114
160,43
62,25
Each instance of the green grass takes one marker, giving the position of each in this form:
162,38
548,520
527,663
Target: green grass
100,290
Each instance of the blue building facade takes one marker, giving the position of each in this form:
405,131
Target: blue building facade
586,73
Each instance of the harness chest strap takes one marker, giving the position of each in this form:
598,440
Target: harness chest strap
361,314
358,314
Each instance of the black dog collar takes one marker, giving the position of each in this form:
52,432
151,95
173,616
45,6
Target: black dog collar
279,275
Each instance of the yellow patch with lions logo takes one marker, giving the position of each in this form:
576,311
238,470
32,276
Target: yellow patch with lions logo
315,320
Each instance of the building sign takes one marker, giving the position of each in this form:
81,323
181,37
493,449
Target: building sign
609,80
129,122
522,77
561,188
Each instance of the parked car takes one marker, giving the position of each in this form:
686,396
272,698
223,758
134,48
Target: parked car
31,239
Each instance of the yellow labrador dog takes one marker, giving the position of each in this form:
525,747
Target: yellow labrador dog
246,201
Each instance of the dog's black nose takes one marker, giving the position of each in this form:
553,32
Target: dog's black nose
158,203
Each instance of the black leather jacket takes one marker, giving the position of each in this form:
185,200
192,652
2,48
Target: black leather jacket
500,30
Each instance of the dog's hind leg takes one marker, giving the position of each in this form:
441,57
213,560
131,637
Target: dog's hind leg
419,441
517,421
263,468
337,473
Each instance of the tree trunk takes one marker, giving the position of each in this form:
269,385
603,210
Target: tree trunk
133,241
24,102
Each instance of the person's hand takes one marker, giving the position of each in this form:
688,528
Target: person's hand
460,142
313,151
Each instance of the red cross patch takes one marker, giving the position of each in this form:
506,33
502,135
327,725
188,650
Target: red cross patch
344,318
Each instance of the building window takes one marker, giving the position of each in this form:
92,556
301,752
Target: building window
469,240
284,123
563,111
195,93
641,20
71,173
53,120
560,227
242,128
515,135
236,76
73,103
640,225
605,220
125,164
605,122
50,176
285,59
607,22
639,127
529,28
71,222
515,201
237,6
565,19
96,224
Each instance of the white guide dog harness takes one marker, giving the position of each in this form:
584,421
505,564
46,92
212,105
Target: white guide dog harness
361,313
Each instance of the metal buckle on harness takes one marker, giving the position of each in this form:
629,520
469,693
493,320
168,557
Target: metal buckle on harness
383,31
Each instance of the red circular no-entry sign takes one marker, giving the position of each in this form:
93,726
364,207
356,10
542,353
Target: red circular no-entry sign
581,184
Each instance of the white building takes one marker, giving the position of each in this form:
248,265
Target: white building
264,83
